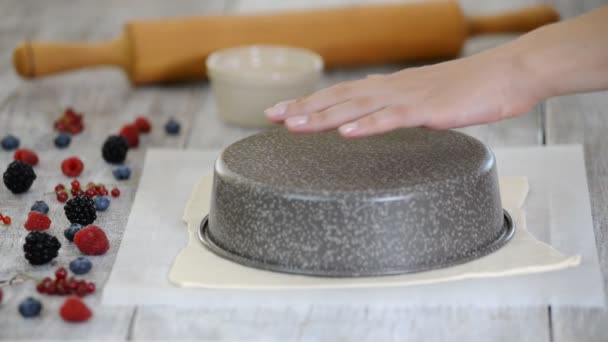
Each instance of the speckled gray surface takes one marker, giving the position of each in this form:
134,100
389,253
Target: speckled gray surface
406,201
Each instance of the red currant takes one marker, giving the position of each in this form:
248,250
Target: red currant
6,220
61,273
81,290
115,192
1,217
90,185
76,192
62,197
72,284
102,192
51,288
91,193
75,184
61,288
40,287
90,287
59,187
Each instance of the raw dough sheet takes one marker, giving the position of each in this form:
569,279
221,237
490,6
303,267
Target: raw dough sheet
558,212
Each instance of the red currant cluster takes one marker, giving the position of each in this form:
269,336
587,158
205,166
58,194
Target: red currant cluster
62,285
70,122
6,220
76,190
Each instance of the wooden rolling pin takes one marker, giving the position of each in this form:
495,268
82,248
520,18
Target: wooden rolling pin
175,49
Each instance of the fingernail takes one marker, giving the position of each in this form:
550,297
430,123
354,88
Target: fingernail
277,110
296,121
349,128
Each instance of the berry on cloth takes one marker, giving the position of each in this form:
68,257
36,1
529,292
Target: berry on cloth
115,149
70,122
102,203
40,247
30,307
26,156
75,184
122,173
80,209
63,140
71,231
9,142
90,193
41,207
74,310
115,192
19,177
143,124
131,134
59,187
62,197
61,273
37,221
92,240
172,127
81,265
6,220
72,167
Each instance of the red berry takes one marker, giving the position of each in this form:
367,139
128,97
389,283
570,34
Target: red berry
37,221
74,129
75,184
76,192
59,187
62,197
131,134
142,124
90,287
6,220
92,240
51,288
74,310
102,192
61,273
115,192
91,193
26,156
72,167
72,284
61,287
82,290
1,216
40,287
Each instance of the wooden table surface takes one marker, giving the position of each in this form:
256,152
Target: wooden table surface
27,109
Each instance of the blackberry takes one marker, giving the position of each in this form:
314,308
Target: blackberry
19,177
40,247
80,210
115,149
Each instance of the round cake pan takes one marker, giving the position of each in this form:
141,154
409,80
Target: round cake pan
408,201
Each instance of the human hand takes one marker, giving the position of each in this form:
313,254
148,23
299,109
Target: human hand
474,90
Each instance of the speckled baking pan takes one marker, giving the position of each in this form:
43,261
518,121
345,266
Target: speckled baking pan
408,201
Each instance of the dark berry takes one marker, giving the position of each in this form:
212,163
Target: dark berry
115,149
72,167
80,210
80,265
122,173
102,203
19,177
71,231
63,140
40,247
172,127
41,207
115,192
30,307
9,142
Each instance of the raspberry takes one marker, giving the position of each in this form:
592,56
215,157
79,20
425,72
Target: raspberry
131,133
37,221
92,240
142,124
80,210
115,149
26,156
74,310
72,167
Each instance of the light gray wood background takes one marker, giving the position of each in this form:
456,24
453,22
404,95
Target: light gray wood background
27,109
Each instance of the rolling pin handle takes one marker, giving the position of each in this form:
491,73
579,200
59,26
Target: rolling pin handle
519,21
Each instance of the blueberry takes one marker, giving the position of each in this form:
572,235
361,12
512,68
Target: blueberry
41,207
63,140
30,307
122,173
102,203
172,127
71,231
9,142
80,265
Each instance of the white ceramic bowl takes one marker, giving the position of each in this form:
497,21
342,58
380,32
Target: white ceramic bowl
248,79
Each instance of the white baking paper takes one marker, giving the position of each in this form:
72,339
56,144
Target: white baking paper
558,212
